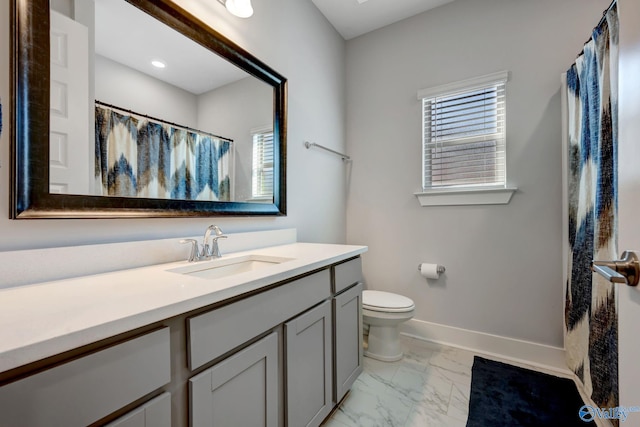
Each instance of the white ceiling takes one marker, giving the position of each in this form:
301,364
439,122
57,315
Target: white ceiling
352,18
131,37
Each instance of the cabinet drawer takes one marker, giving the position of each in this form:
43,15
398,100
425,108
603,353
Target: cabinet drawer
214,333
347,274
87,389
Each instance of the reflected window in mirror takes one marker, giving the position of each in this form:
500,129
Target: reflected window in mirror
262,165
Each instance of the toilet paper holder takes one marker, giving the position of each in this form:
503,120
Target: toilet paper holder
440,268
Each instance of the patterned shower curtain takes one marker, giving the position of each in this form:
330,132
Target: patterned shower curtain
139,157
591,302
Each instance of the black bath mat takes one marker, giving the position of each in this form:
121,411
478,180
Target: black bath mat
506,395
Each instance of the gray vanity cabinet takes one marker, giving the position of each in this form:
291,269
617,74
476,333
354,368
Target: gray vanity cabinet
242,390
283,356
308,351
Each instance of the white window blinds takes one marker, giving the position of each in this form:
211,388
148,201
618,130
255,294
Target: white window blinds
262,166
463,135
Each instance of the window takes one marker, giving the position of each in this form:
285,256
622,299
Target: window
463,137
463,140
262,165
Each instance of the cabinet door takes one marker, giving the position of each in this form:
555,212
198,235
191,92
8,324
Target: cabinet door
347,327
155,413
242,390
308,367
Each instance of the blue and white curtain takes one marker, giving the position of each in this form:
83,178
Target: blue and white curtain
138,157
591,309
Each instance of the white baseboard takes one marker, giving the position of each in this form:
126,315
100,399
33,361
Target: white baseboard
544,357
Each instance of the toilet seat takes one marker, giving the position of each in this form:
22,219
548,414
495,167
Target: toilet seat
386,302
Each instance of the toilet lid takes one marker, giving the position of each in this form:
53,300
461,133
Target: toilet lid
386,302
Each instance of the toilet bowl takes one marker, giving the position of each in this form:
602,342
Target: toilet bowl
382,312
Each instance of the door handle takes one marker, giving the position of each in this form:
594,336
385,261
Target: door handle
625,270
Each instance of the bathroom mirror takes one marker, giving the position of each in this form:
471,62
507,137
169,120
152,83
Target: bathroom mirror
147,142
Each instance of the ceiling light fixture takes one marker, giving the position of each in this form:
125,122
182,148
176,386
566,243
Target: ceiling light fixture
239,8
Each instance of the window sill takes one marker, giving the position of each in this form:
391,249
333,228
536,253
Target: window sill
466,196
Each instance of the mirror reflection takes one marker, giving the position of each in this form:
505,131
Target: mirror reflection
139,110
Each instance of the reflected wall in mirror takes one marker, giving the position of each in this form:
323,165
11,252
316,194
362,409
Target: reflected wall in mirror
202,132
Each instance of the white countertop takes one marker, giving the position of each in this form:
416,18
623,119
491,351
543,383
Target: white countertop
45,319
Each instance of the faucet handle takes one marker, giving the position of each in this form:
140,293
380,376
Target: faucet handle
193,254
215,247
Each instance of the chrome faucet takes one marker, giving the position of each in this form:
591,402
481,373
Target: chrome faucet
209,250
213,250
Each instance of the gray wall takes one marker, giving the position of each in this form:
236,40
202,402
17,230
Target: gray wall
294,38
504,263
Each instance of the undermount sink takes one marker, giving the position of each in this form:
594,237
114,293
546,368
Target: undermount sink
219,268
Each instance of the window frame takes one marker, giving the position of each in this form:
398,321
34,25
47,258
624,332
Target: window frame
471,194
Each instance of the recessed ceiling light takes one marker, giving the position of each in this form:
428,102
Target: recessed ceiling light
361,1
158,64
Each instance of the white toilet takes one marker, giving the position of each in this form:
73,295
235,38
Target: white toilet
382,312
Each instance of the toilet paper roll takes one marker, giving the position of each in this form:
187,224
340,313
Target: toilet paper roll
431,271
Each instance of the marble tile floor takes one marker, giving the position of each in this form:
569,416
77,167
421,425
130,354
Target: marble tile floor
429,387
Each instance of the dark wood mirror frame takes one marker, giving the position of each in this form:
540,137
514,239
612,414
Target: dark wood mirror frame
30,196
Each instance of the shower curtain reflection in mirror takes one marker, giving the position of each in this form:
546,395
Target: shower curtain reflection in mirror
140,157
